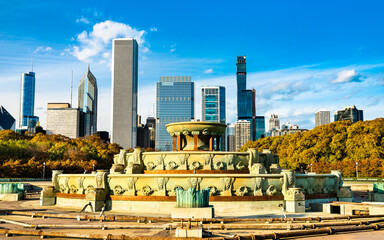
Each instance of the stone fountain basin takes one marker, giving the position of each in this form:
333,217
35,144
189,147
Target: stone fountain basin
205,128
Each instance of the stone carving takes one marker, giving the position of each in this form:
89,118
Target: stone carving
89,187
241,166
271,190
55,179
122,157
185,132
338,181
101,180
118,190
146,190
242,191
219,166
294,194
275,168
345,192
183,158
150,166
65,186
289,179
172,165
205,131
227,185
161,184
194,182
213,190
176,187
80,182
253,156
258,168
117,168
311,185
131,183
195,165
160,162
73,189
230,158
207,161
318,188
258,186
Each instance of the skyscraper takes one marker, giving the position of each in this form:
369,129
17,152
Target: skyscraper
63,120
124,92
151,124
27,102
246,105
274,122
260,126
174,103
213,104
7,122
87,103
231,147
242,133
349,113
322,117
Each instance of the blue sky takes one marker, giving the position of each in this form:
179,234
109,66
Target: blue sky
302,56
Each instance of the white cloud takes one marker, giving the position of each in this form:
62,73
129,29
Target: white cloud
208,70
346,76
95,43
82,20
43,49
153,29
172,50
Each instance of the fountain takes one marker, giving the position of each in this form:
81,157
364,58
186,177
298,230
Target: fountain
11,191
240,183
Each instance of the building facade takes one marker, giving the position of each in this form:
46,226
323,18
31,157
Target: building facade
286,129
231,146
151,137
322,117
246,99
27,102
7,122
63,120
260,127
349,113
124,92
274,122
87,103
174,103
242,133
213,104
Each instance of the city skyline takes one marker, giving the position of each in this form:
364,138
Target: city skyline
294,78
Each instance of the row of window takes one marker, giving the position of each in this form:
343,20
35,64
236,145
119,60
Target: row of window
174,119
173,98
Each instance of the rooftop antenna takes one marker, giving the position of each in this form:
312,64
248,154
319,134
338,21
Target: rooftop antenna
71,87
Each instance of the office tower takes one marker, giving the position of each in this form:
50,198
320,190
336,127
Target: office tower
242,133
260,127
174,103
87,104
246,104
274,122
124,92
322,117
63,120
349,113
7,122
151,125
27,102
231,147
213,104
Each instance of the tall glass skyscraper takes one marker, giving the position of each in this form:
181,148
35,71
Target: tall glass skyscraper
174,103
246,106
27,101
213,104
87,103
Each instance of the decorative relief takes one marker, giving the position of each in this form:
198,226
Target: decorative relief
289,180
55,178
253,156
207,161
230,158
89,187
241,166
118,190
345,192
64,188
206,131
275,168
258,186
271,190
73,189
172,165
161,184
242,191
80,182
311,185
195,165
183,158
185,132
146,190
122,157
117,168
160,162
258,168
213,191
131,184
194,182
151,166
219,166
227,185
294,194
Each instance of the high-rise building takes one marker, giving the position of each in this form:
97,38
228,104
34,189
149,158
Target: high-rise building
7,122
87,103
174,103
246,104
260,126
349,113
322,117
231,147
124,92
151,125
27,102
63,120
274,122
242,133
213,104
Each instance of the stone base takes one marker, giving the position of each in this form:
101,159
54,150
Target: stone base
206,212
11,196
47,201
188,233
345,199
295,206
376,197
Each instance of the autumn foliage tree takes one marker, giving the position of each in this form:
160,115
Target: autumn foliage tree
335,146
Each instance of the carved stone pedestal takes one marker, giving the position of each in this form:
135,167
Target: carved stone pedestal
48,196
294,200
345,194
96,196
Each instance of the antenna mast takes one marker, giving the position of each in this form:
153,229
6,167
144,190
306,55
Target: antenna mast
71,87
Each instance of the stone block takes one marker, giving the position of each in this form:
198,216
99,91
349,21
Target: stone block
376,197
11,196
295,206
97,197
189,233
206,212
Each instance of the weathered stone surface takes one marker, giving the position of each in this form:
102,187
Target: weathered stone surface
189,233
203,212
